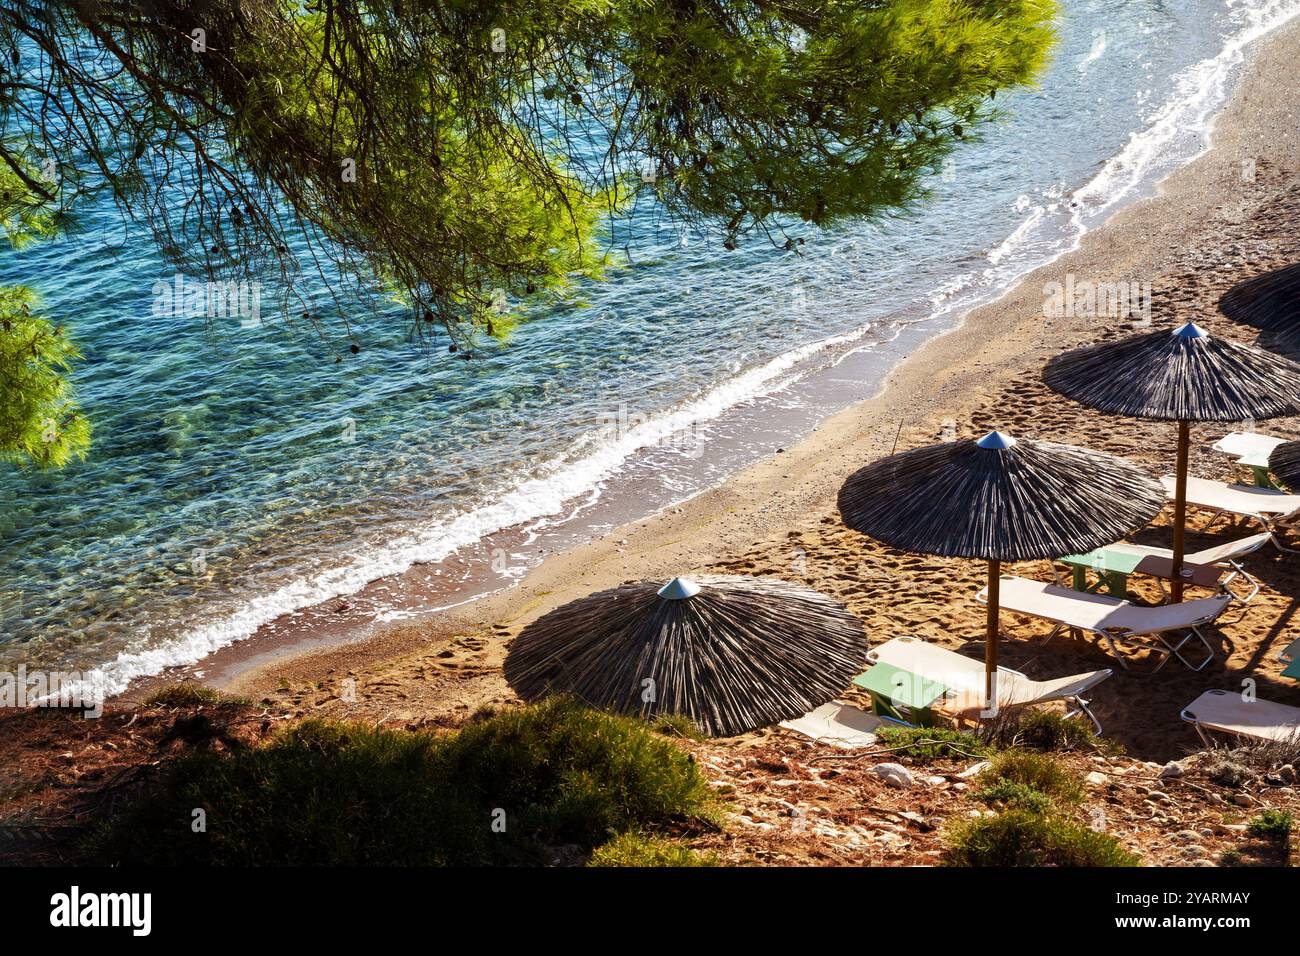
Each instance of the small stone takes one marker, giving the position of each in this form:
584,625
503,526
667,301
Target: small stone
894,774
1287,773
1096,779
1171,771
1242,799
1187,836
974,770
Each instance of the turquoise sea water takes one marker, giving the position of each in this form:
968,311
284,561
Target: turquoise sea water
238,473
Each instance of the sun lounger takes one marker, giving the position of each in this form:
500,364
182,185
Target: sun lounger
1272,509
964,676
838,724
1226,711
1247,444
1113,619
1227,555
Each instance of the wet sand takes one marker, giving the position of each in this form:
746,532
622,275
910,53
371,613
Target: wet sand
1212,225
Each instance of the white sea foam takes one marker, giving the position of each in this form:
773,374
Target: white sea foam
1187,115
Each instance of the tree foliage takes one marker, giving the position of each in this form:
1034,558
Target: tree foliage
463,155
454,148
40,422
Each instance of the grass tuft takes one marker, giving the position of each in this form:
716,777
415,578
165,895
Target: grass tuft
1007,794
639,850
931,743
190,694
1274,825
676,725
1034,771
1024,838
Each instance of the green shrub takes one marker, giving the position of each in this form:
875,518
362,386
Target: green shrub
190,694
500,790
1008,794
636,849
931,743
676,725
1035,771
1272,825
1044,730
1025,838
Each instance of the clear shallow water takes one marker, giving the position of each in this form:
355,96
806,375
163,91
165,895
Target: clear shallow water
239,473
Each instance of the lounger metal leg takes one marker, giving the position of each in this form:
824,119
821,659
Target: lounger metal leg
1176,650
1275,537
1081,707
1239,570
1213,518
1114,651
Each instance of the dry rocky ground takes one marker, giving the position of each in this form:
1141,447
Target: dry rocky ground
792,801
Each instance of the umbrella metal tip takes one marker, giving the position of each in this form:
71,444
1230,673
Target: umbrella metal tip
1191,331
996,440
678,589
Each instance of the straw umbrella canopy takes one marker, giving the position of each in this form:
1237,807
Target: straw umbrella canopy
1270,302
1284,461
1185,375
731,653
999,499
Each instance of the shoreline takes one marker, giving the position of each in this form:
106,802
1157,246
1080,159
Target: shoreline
778,506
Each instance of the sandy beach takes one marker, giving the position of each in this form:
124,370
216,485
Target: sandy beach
1225,217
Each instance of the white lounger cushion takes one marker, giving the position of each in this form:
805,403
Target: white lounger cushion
1247,444
1097,612
966,675
1238,499
1226,711
838,724
1219,554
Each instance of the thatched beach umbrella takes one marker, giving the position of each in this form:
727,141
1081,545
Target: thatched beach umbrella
1284,461
999,499
1185,375
1270,302
731,653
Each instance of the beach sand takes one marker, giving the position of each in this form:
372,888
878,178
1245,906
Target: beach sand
1211,225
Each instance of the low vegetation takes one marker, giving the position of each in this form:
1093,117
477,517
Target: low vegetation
1047,731
1040,773
1274,825
931,743
506,789
637,849
1036,796
190,695
1023,837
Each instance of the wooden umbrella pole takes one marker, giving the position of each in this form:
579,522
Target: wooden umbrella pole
1180,508
991,640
